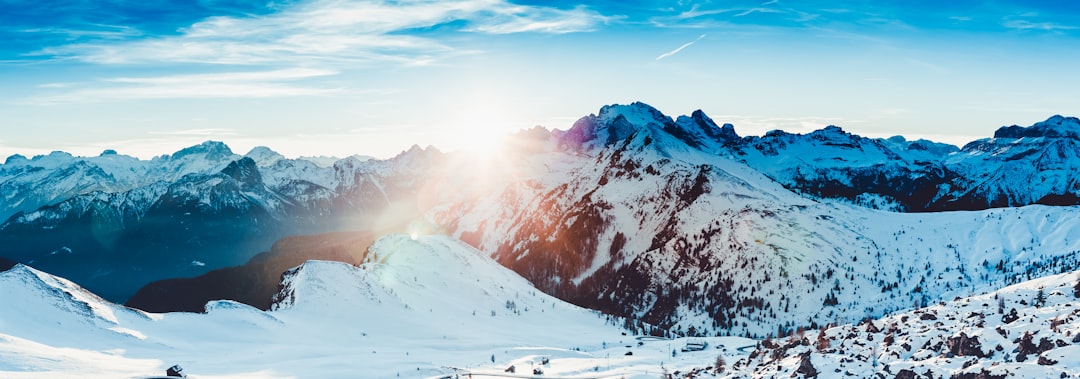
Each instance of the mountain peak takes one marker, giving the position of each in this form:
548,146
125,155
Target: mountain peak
264,156
214,150
244,170
637,113
698,130
1056,126
613,123
618,122
15,158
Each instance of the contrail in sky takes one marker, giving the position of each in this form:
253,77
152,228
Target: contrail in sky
680,48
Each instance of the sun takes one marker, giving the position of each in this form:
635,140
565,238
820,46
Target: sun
481,131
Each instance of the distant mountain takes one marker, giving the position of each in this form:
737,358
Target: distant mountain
182,215
1019,166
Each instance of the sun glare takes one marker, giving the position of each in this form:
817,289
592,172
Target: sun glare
481,127
482,140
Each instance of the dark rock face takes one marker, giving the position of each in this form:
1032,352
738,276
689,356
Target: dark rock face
1054,127
1028,347
806,368
1046,361
964,346
983,374
909,374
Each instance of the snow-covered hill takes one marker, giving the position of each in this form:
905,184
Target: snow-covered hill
1029,330
418,307
431,306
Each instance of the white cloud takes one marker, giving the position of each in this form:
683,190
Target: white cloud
249,84
1044,26
757,10
333,31
521,19
208,132
680,48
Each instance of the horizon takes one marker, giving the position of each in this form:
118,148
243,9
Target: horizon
338,78
243,151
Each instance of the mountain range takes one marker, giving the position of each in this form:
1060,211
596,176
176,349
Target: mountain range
678,226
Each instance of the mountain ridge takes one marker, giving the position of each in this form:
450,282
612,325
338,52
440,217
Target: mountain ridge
624,182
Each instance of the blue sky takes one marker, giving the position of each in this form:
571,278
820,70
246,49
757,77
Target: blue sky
342,77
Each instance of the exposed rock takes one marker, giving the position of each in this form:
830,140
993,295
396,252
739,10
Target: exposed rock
1046,361
964,346
983,374
806,368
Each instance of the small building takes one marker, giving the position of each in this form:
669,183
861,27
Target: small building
695,346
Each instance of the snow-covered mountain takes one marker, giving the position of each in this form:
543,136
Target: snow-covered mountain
676,222
1019,166
416,307
129,222
638,218
669,226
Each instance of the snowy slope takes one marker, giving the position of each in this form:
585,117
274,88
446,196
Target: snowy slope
677,222
652,228
1029,330
416,308
408,312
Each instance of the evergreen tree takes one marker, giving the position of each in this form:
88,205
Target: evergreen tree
719,365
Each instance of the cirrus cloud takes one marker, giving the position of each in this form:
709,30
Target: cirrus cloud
246,84
333,31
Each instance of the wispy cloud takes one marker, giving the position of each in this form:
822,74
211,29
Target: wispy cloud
521,19
333,31
680,48
1043,26
757,10
208,132
254,84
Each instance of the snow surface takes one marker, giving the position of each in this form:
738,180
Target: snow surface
929,340
408,311
801,251
424,307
